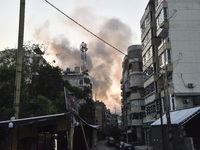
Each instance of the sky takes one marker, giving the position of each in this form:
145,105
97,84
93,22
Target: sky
115,21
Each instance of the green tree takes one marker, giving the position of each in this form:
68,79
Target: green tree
49,82
86,110
46,93
42,88
40,105
7,75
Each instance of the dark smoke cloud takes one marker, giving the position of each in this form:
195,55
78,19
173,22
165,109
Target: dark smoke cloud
104,63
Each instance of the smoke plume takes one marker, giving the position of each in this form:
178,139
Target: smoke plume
103,62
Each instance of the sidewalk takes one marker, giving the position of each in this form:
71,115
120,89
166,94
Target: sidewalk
143,147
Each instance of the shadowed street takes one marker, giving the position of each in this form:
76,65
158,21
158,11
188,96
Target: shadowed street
102,145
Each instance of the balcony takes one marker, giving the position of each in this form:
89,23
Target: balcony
136,109
144,31
148,9
162,30
134,96
164,4
153,78
136,80
164,46
135,122
153,41
151,98
152,60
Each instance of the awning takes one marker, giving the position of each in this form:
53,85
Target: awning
179,117
31,120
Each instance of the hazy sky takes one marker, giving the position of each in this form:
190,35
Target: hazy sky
115,21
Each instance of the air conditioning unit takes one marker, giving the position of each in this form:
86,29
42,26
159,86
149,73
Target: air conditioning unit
186,101
190,85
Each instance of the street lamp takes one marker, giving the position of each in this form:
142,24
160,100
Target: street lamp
10,127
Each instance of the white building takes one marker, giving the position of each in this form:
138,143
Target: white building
170,39
132,94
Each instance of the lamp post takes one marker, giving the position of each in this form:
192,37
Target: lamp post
10,127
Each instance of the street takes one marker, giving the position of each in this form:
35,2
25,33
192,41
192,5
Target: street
102,145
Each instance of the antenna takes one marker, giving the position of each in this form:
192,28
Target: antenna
83,49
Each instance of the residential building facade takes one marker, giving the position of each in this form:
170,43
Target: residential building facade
78,79
170,39
132,94
100,118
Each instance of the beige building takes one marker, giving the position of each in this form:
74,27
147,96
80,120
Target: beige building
132,94
171,42
100,117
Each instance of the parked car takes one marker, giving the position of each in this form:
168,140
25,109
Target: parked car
124,146
119,145
128,146
111,141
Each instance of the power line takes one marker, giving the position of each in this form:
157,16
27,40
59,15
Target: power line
86,28
92,32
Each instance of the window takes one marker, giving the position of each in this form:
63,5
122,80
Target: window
81,82
154,68
150,71
161,17
147,20
150,89
148,36
137,103
149,54
162,58
168,56
158,2
151,108
135,116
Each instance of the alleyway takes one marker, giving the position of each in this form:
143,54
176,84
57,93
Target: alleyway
103,146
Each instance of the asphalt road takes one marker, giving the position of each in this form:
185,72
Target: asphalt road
102,145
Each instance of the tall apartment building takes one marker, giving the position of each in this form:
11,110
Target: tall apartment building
171,48
132,94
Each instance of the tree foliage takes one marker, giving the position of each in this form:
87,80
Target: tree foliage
42,87
87,110
7,74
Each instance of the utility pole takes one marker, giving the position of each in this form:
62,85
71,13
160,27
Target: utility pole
167,102
161,121
18,69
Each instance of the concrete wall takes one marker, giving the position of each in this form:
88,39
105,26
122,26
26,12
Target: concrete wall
184,33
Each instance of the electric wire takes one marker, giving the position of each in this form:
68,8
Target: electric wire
85,28
93,33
